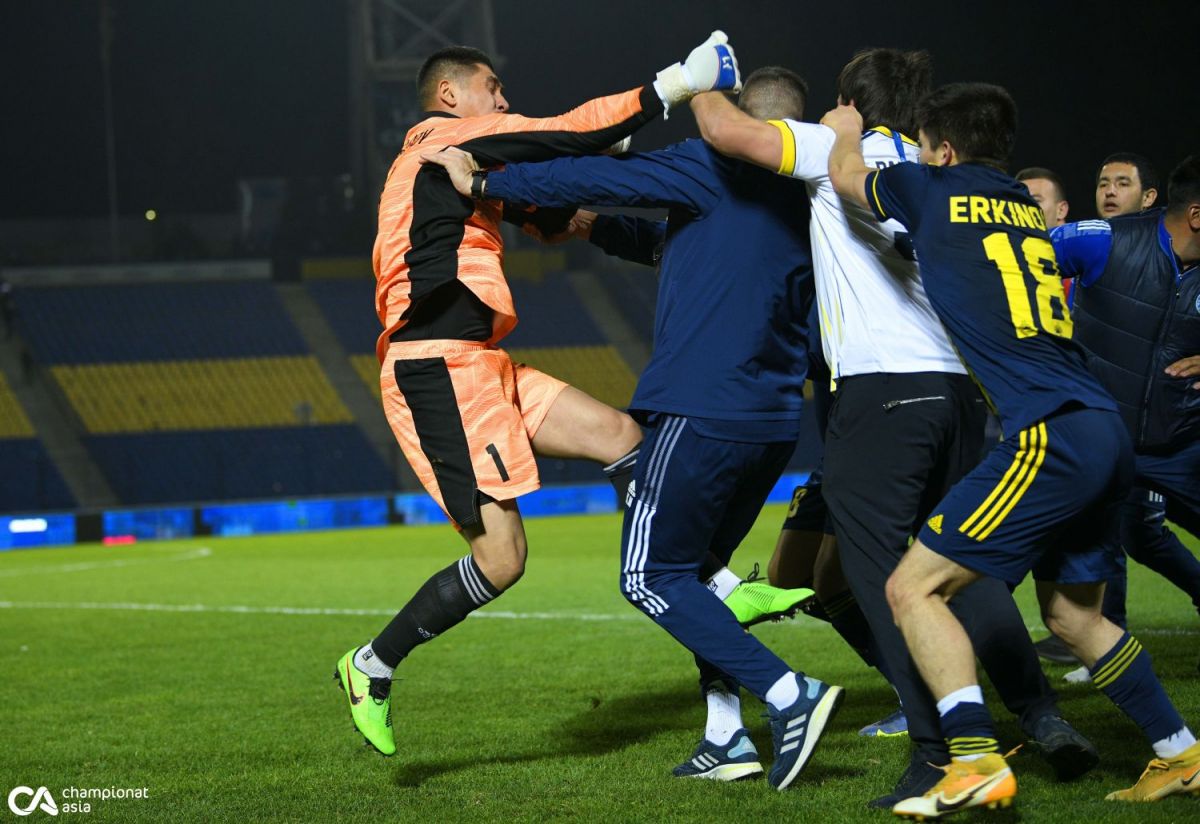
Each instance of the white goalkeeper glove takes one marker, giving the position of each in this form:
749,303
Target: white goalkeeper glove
712,66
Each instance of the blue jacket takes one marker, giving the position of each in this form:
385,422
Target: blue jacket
1136,312
735,280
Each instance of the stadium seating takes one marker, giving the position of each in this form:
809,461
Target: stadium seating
28,478
156,321
224,393
635,290
197,391
349,306
239,463
207,391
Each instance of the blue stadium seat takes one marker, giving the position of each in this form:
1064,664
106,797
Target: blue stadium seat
349,307
635,290
156,321
551,314
240,463
29,480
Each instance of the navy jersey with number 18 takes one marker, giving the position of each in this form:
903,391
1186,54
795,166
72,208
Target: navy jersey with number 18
991,276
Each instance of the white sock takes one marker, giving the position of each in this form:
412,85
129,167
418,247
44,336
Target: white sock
723,582
967,695
724,714
1078,676
1174,745
368,662
784,692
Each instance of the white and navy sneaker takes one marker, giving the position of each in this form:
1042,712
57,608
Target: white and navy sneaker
797,729
736,760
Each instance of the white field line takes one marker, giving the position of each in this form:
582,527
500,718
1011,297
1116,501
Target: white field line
237,609
240,609
80,566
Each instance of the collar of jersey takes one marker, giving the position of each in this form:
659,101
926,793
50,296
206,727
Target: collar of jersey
886,132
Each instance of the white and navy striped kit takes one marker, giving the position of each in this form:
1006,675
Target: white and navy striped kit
645,504
694,494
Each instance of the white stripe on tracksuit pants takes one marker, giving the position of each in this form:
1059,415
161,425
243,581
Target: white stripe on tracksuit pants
687,489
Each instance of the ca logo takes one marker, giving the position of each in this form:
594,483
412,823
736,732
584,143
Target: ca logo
42,797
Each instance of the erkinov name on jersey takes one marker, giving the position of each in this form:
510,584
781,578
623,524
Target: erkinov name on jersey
998,212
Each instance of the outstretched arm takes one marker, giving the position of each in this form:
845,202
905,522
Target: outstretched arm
600,123
676,176
732,132
847,170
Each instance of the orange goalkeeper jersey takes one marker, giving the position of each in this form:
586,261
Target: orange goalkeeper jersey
429,235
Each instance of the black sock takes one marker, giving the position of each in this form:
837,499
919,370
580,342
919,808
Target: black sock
443,601
620,474
709,567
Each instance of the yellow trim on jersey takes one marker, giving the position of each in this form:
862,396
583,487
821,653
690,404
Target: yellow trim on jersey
787,164
886,132
875,194
1015,483
1117,665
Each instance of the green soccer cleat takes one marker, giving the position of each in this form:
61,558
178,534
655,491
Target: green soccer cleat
754,601
370,703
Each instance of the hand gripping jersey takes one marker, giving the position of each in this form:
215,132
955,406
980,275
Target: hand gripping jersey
429,235
875,316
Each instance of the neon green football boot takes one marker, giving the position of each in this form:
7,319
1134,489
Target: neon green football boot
754,601
370,703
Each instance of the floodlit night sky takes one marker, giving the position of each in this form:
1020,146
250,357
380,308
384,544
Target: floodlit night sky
210,92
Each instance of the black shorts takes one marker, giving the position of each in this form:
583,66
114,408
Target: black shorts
807,511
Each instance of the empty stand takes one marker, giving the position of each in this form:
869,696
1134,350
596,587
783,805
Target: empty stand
156,321
635,289
28,478
228,393
239,463
349,307
14,423
197,391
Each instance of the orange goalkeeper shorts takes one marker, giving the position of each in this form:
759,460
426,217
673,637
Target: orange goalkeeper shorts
465,416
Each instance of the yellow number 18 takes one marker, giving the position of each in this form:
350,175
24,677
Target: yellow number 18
1051,316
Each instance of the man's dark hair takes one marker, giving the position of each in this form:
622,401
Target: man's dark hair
978,119
456,62
1183,186
773,93
1147,174
886,85
1042,173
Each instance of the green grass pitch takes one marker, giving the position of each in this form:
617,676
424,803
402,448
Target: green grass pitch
202,670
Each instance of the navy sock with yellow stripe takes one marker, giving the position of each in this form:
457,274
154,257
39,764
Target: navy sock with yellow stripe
969,731
1126,676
